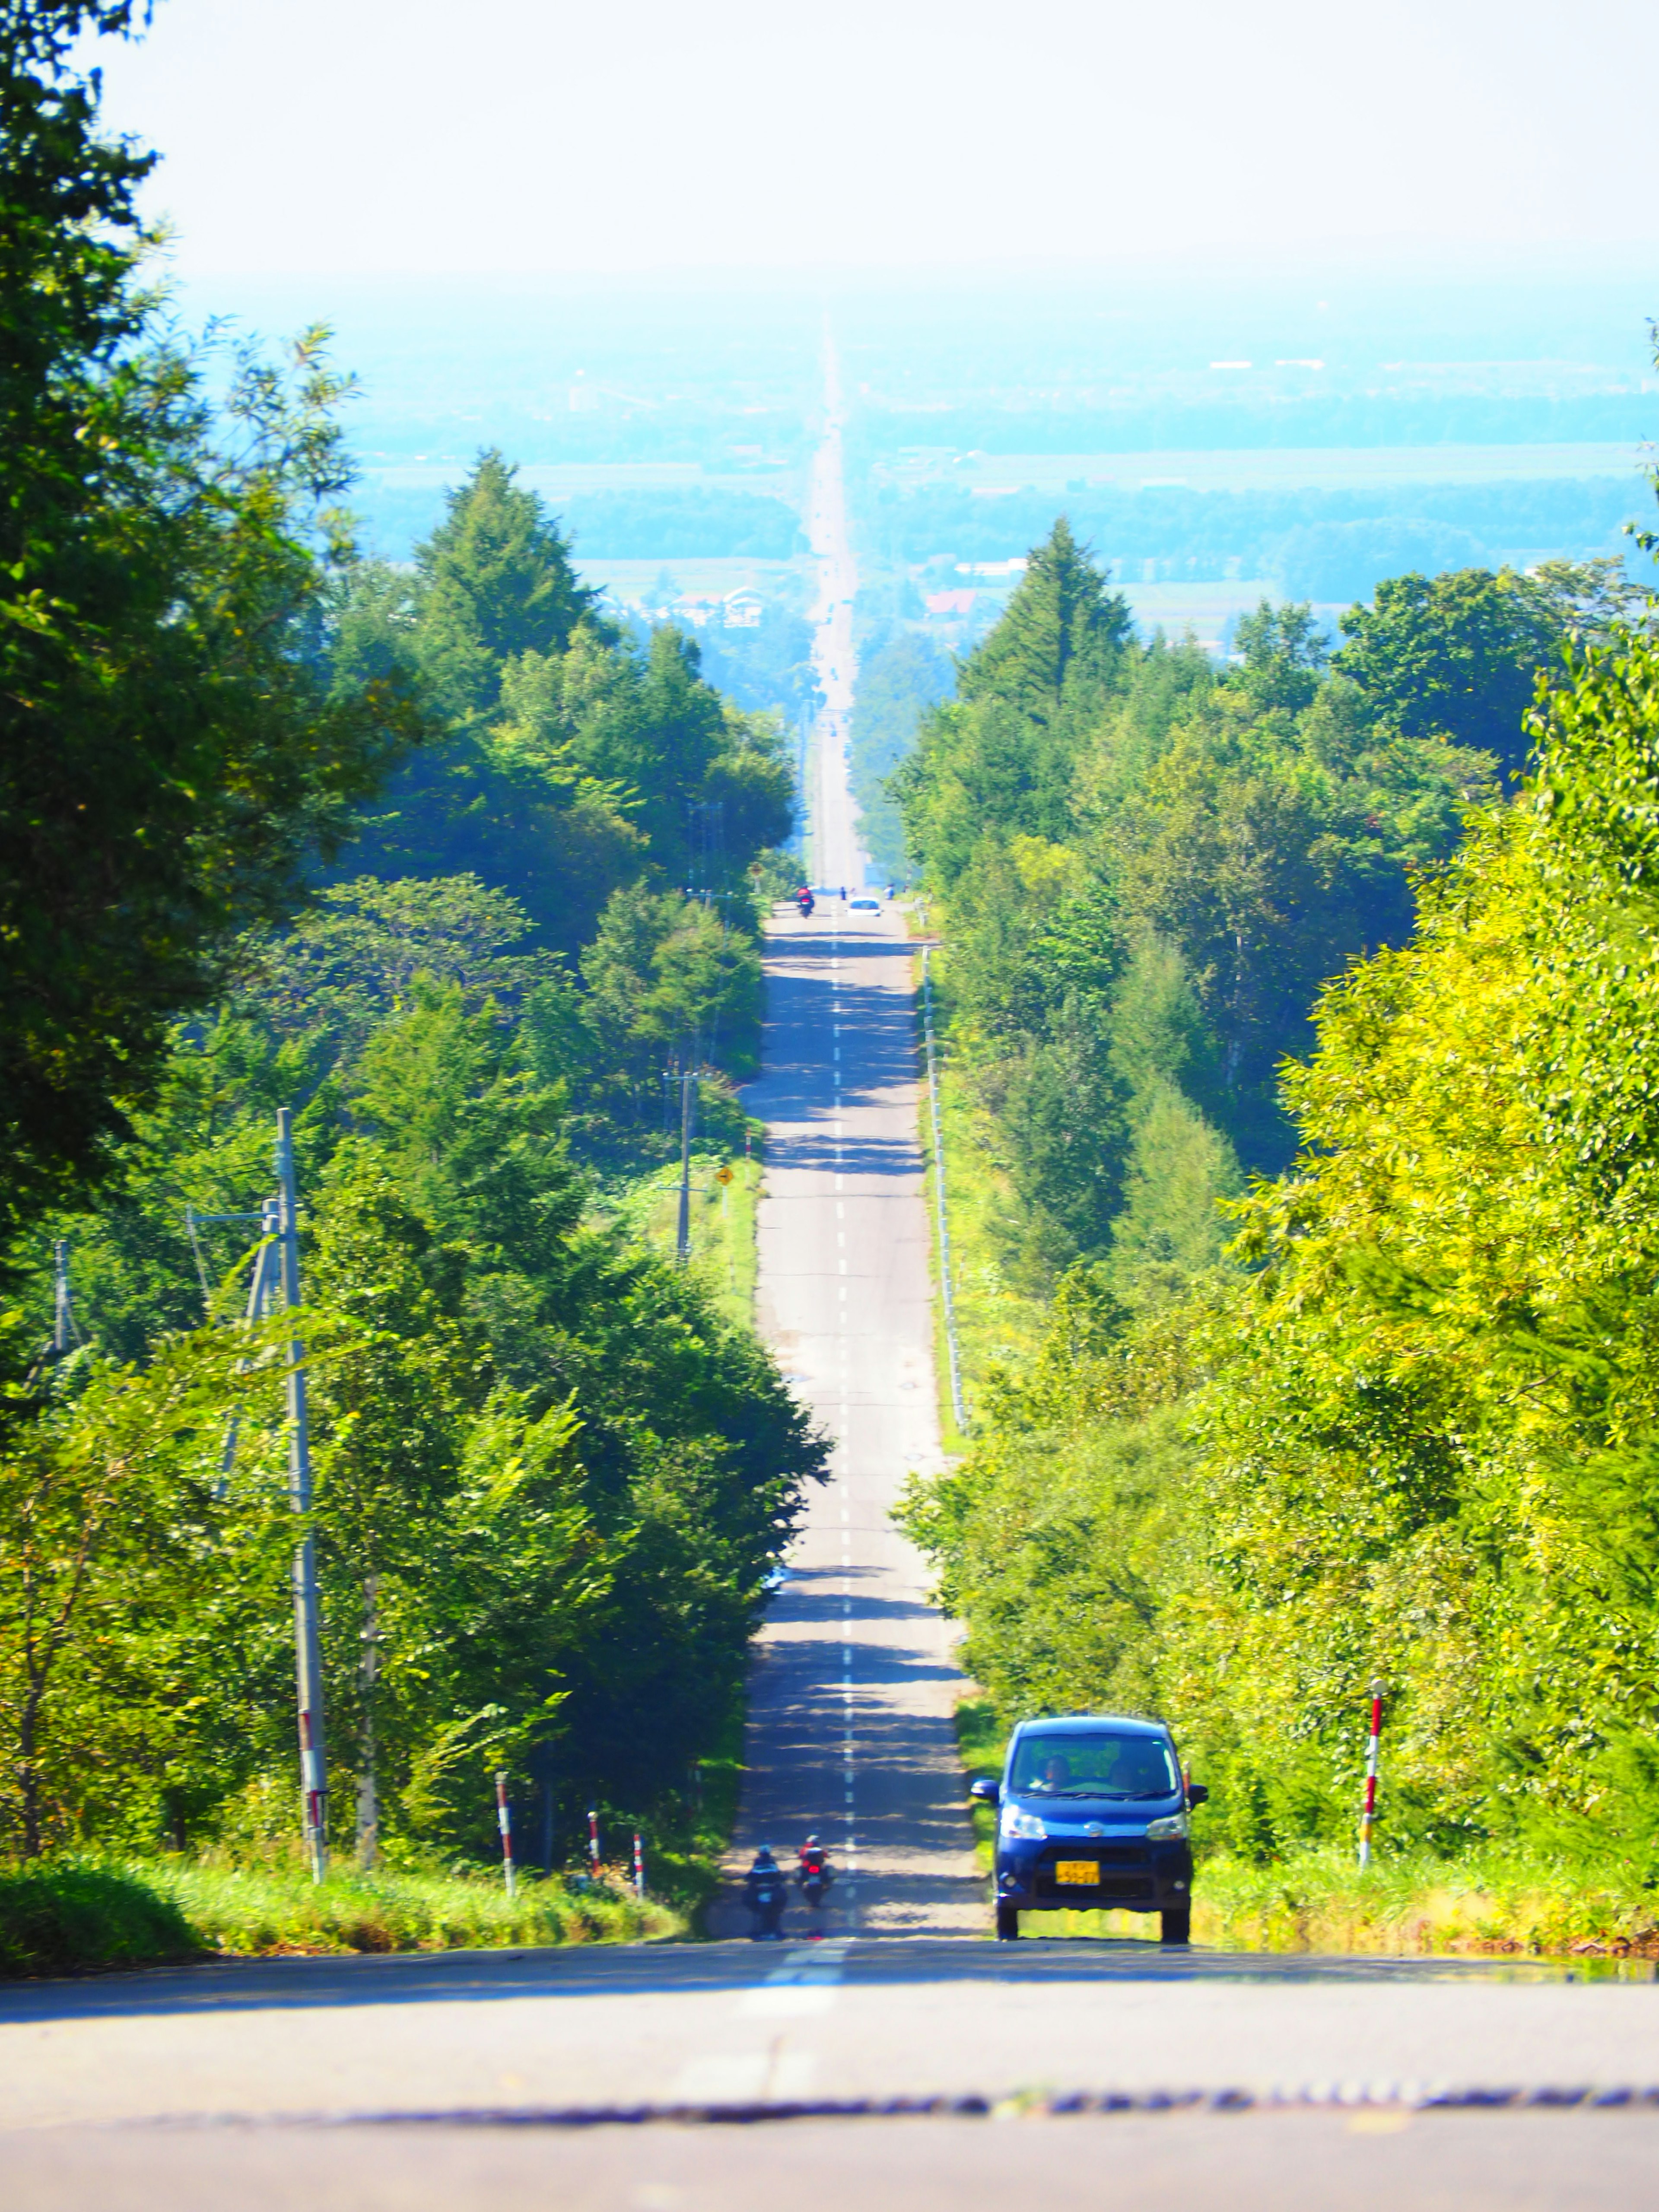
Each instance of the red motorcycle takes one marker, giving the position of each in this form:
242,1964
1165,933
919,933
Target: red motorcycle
805,901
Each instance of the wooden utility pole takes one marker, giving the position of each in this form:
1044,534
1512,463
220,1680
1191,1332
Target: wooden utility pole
682,1241
307,1636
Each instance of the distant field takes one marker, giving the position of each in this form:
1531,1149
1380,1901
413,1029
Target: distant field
1204,609
561,479
1333,468
789,583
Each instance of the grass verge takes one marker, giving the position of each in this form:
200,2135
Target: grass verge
1486,1904
997,1324
723,1222
72,1914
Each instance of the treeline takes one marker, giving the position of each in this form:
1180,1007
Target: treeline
1328,546
1288,413
693,522
1387,1411
443,862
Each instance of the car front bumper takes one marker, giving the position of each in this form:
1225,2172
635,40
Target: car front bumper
1133,1878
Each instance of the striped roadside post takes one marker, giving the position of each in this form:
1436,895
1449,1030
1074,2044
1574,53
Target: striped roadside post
1368,1816
639,1867
594,1839
504,1821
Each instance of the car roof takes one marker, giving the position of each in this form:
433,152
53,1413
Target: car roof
1086,1723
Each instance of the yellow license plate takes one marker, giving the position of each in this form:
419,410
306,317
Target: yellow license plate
1084,1873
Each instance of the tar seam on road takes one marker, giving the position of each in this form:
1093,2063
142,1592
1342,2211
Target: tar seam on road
1020,2104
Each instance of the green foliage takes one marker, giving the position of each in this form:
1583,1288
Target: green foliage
551,1478
495,584
1148,868
56,1918
899,679
1454,656
552,1474
171,758
61,1915
1415,1441
575,762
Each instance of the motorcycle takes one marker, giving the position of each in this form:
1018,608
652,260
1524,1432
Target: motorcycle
806,902
815,1882
766,1897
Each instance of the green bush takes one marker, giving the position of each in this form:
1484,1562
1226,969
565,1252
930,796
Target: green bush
57,1917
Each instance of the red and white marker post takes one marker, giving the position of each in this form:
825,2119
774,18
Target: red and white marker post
639,1867
504,1822
593,1841
1368,1816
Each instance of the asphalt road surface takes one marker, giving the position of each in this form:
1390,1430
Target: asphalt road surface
637,2077
892,2058
837,859
850,1733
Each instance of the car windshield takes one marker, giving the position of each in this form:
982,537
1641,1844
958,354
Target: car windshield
1095,1762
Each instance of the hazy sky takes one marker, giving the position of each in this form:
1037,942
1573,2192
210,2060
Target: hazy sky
428,136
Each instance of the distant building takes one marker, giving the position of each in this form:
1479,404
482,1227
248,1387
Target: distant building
947,603
742,610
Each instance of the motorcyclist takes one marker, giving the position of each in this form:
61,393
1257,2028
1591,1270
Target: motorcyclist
764,1895
814,1873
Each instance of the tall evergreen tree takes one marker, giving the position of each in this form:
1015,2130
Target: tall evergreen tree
1061,622
496,581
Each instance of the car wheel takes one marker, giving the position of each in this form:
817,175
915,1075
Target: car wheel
1176,1927
1008,1923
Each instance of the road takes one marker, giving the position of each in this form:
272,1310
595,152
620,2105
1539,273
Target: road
626,2078
659,2079
850,1730
832,838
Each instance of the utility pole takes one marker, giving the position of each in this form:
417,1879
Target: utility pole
262,1292
308,1638
369,1795
62,1317
683,1242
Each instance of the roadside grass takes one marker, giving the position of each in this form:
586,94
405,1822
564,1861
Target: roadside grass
1488,1904
262,1914
723,1220
998,1325
70,1914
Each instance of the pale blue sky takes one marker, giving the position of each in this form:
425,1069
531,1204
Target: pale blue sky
425,136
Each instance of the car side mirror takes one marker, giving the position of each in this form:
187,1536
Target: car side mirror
987,1790
1197,1793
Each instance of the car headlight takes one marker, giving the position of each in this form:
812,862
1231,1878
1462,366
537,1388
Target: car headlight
1019,1826
1165,1832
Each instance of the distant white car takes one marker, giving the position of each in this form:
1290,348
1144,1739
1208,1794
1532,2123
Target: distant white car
864,906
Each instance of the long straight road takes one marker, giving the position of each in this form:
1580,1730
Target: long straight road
832,823
850,1732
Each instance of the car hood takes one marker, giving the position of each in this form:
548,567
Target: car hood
1076,1816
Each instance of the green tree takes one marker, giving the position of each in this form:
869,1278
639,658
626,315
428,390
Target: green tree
170,762
1060,627
495,581
1454,656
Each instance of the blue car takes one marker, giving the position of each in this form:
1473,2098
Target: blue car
1092,1811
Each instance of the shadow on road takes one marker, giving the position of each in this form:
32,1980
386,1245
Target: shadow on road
485,1977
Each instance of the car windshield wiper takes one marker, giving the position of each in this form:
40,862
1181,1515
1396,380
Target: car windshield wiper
1117,1796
